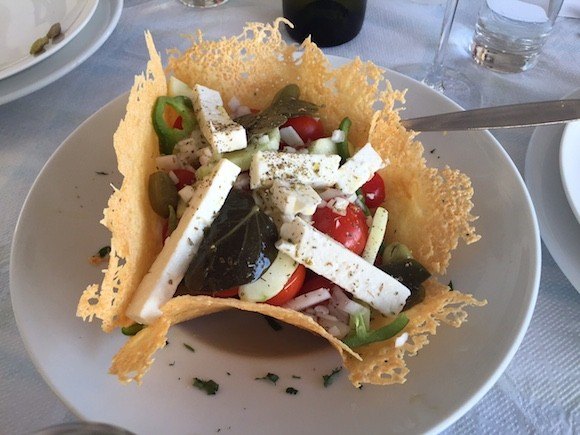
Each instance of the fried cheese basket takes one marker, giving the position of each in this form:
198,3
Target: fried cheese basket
429,209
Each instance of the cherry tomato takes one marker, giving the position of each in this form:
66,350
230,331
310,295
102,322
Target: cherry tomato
314,283
186,178
374,191
291,288
229,293
178,123
307,127
351,229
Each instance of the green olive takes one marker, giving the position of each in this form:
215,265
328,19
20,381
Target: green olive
162,193
396,252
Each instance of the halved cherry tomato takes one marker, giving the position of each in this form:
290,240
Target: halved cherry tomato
374,191
307,127
178,123
315,282
229,293
291,288
351,229
186,178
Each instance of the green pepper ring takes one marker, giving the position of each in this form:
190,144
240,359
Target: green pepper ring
169,136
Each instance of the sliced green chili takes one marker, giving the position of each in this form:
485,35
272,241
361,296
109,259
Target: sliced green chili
362,336
342,147
133,329
169,136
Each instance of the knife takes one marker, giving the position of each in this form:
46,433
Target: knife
513,115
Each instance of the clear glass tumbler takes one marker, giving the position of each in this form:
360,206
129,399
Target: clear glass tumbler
509,34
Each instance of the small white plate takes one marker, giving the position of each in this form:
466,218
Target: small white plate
24,21
558,224
570,165
59,228
76,51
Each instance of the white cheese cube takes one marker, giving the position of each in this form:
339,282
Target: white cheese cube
314,170
294,199
328,258
359,169
168,269
220,131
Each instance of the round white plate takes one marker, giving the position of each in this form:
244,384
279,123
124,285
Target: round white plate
559,227
78,49
570,165
24,21
58,229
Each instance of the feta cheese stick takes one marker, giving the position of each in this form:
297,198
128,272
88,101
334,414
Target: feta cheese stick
316,170
328,258
223,134
359,169
168,269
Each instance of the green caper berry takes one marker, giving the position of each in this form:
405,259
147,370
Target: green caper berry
37,46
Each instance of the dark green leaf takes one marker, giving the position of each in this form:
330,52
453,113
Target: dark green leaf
329,379
450,285
292,391
133,329
209,386
237,248
285,104
270,377
274,324
188,347
411,274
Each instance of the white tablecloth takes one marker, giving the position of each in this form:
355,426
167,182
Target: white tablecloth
532,396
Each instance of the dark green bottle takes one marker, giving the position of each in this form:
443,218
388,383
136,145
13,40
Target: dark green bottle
330,22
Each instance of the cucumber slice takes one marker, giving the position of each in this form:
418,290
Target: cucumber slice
243,158
323,146
176,87
271,282
376,235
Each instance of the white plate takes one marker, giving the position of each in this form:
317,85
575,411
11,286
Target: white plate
559,227
24,21
86,42
58,229
570,165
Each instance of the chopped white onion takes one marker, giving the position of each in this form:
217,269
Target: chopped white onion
290,150
186,193
338,136
330,193
167,163
309,299
338,206
173,177
321,309
264,139
234,103
343,303
335,328
401,339
290,137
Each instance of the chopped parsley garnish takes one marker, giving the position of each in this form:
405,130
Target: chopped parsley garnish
133,329
188,347
270,377
101,173
104,251
329,379
296,377
275,325
292,391
450,285
210,386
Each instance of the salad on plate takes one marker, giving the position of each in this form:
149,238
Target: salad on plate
265,181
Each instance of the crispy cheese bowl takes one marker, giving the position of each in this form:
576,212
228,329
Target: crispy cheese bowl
429,209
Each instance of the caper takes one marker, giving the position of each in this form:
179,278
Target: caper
37,46
162,193
396,252
54,31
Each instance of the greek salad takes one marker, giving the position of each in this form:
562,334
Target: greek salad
272,206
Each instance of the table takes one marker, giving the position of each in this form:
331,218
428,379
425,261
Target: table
396,32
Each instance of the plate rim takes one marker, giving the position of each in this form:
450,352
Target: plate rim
573,202
569,271
34,78
453,416
89,8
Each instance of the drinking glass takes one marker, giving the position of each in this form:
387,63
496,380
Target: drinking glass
203,3
444,79
509,34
